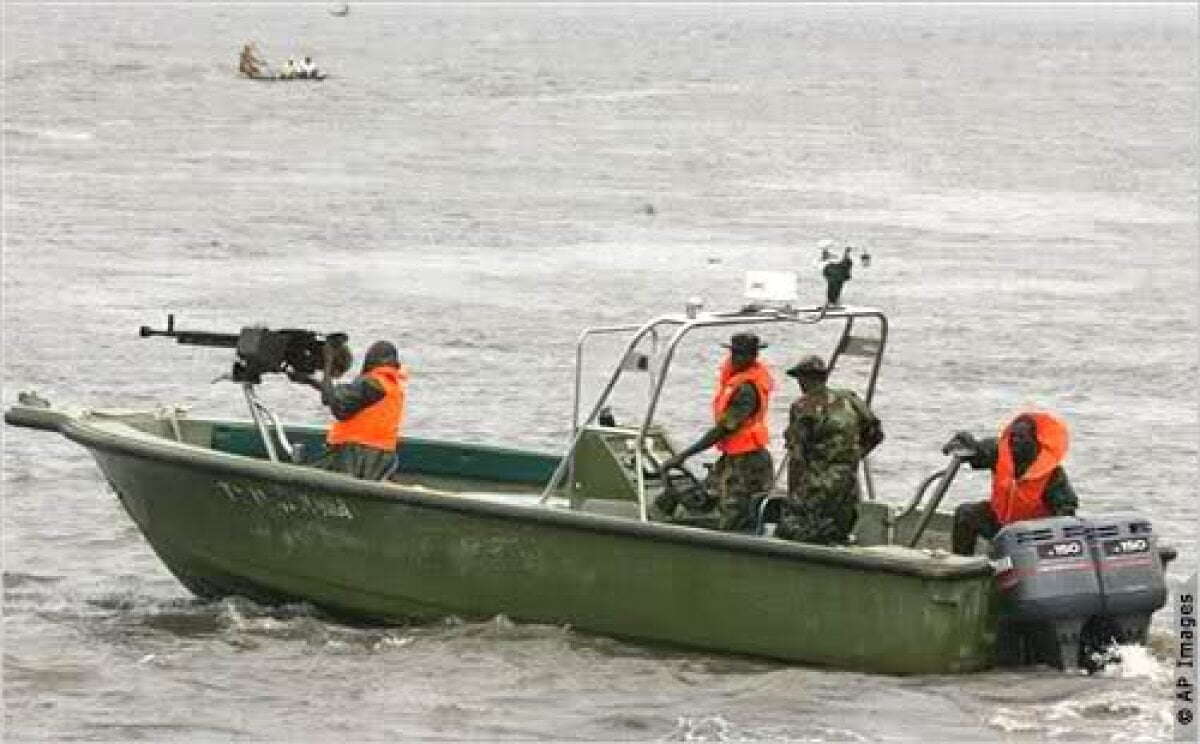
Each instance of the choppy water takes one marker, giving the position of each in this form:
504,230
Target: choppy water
471,182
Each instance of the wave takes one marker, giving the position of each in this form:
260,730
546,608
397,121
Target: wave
67,135
14,579
120,67
1133,690
49,134
58,135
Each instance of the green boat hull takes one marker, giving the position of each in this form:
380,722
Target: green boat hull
228,522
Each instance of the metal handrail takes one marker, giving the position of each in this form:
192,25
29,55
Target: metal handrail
868,480
747,316
956,461
578,392
583,337
894,517
811,316
577,434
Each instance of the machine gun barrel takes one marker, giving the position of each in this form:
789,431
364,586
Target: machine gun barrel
259,350
192,338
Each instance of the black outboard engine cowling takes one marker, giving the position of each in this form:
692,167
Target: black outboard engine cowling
1069,587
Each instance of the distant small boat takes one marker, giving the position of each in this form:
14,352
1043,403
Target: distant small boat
342,10
295,78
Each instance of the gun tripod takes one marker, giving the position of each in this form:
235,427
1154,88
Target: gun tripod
269,426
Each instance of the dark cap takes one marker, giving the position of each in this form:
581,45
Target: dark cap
744,343
379,354
810,366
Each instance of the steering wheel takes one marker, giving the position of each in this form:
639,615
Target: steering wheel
682,486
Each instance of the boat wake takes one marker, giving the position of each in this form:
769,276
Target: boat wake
718,728
245,624
1133,690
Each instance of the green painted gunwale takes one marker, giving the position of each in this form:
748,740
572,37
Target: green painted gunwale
101,438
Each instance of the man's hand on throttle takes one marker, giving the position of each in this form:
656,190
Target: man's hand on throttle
962,440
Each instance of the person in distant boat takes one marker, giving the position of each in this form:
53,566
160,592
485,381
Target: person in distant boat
836,274
249,64
307,69
739,431
830,430
1028,480
289,69
369,411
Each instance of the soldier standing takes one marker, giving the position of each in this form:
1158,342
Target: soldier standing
829,431
739,431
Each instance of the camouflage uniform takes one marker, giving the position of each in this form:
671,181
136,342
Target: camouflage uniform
829,431
735,479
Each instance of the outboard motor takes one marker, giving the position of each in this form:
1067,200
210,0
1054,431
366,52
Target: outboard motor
1069,587
1130,565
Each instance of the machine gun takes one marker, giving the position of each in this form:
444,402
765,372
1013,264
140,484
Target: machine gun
260,351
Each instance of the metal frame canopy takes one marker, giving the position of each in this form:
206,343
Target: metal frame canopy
684,323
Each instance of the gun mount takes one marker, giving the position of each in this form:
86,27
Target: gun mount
260,351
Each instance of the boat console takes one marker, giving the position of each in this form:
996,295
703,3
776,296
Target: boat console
606,463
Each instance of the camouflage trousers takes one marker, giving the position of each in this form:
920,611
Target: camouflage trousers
822,504
735,481
357,460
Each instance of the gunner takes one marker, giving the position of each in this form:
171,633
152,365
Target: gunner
369,410
1028,480
739,431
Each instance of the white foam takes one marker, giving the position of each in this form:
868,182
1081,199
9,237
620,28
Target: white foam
1014,721
66,135
1136,662
391,641
1127,711
701,728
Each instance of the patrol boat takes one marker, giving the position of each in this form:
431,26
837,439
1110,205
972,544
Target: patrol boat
475,531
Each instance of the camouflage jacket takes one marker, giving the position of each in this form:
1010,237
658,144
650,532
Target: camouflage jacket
830,425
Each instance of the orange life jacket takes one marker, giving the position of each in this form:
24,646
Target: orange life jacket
379,424
752,434
1014,499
